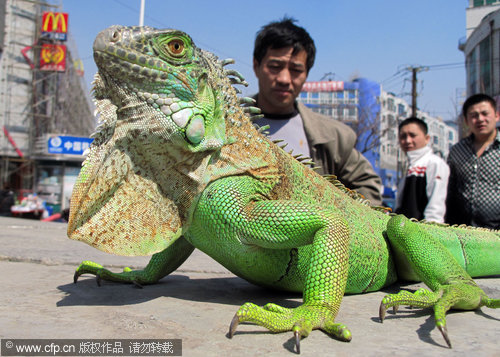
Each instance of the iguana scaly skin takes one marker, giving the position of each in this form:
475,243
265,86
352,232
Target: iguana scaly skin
177,164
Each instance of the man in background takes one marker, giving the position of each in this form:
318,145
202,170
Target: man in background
283,55
474,187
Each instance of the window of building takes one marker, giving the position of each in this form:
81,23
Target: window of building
303,95
340,94
484,2
390,105
450,136
485,65
391,121
325,97
472,71
315,95
401,110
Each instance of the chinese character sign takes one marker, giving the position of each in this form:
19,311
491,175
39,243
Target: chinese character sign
68,145
323,86
53,58
55,25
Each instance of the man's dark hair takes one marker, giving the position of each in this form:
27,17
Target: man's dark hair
414,120
284,33
475,99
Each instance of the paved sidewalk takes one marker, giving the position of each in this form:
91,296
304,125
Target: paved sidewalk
196,304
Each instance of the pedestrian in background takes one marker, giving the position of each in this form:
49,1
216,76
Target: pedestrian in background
474,187
283,55
7,200
422,193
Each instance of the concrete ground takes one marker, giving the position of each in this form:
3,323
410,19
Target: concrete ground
38,300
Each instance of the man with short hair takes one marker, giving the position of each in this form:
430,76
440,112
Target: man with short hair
422,193
474,188
283,55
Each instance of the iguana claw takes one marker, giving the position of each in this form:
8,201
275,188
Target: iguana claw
444,332
297,341
381,311
234,325
137,284
75,277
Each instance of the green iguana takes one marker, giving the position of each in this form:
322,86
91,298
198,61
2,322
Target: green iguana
177,164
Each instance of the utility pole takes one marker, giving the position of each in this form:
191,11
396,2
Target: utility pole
414,71
141,13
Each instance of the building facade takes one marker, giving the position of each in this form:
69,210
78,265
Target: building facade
45,110
482,48
374,115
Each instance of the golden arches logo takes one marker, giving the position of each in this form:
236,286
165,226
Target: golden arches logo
55,22
52,54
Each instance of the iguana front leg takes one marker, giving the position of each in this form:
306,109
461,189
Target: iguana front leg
232,215
451,286
160,265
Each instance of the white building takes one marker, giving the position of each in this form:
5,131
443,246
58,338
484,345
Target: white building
375,116
482,48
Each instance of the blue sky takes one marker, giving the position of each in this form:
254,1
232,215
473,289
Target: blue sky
366,38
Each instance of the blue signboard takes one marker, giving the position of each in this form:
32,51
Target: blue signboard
68,145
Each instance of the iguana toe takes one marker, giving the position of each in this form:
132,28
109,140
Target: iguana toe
462,295
301,320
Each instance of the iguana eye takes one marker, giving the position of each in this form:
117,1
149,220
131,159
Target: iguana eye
176,47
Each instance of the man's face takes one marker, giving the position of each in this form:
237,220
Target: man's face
412,137
481,118
281,75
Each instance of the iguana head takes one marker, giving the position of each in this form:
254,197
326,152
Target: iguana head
162,104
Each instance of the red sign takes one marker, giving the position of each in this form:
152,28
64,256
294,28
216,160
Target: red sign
323,86
53,58
55,25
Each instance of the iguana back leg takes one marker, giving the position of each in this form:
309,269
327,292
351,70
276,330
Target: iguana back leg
243,220
160,265
451,286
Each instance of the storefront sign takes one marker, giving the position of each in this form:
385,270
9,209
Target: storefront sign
68,145
323,86
55,25
53,58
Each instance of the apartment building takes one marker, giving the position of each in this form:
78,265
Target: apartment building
374,115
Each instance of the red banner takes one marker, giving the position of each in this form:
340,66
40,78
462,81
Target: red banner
323,86
53,58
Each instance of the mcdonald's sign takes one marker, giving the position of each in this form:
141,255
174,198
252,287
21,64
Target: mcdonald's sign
53,58
55,25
